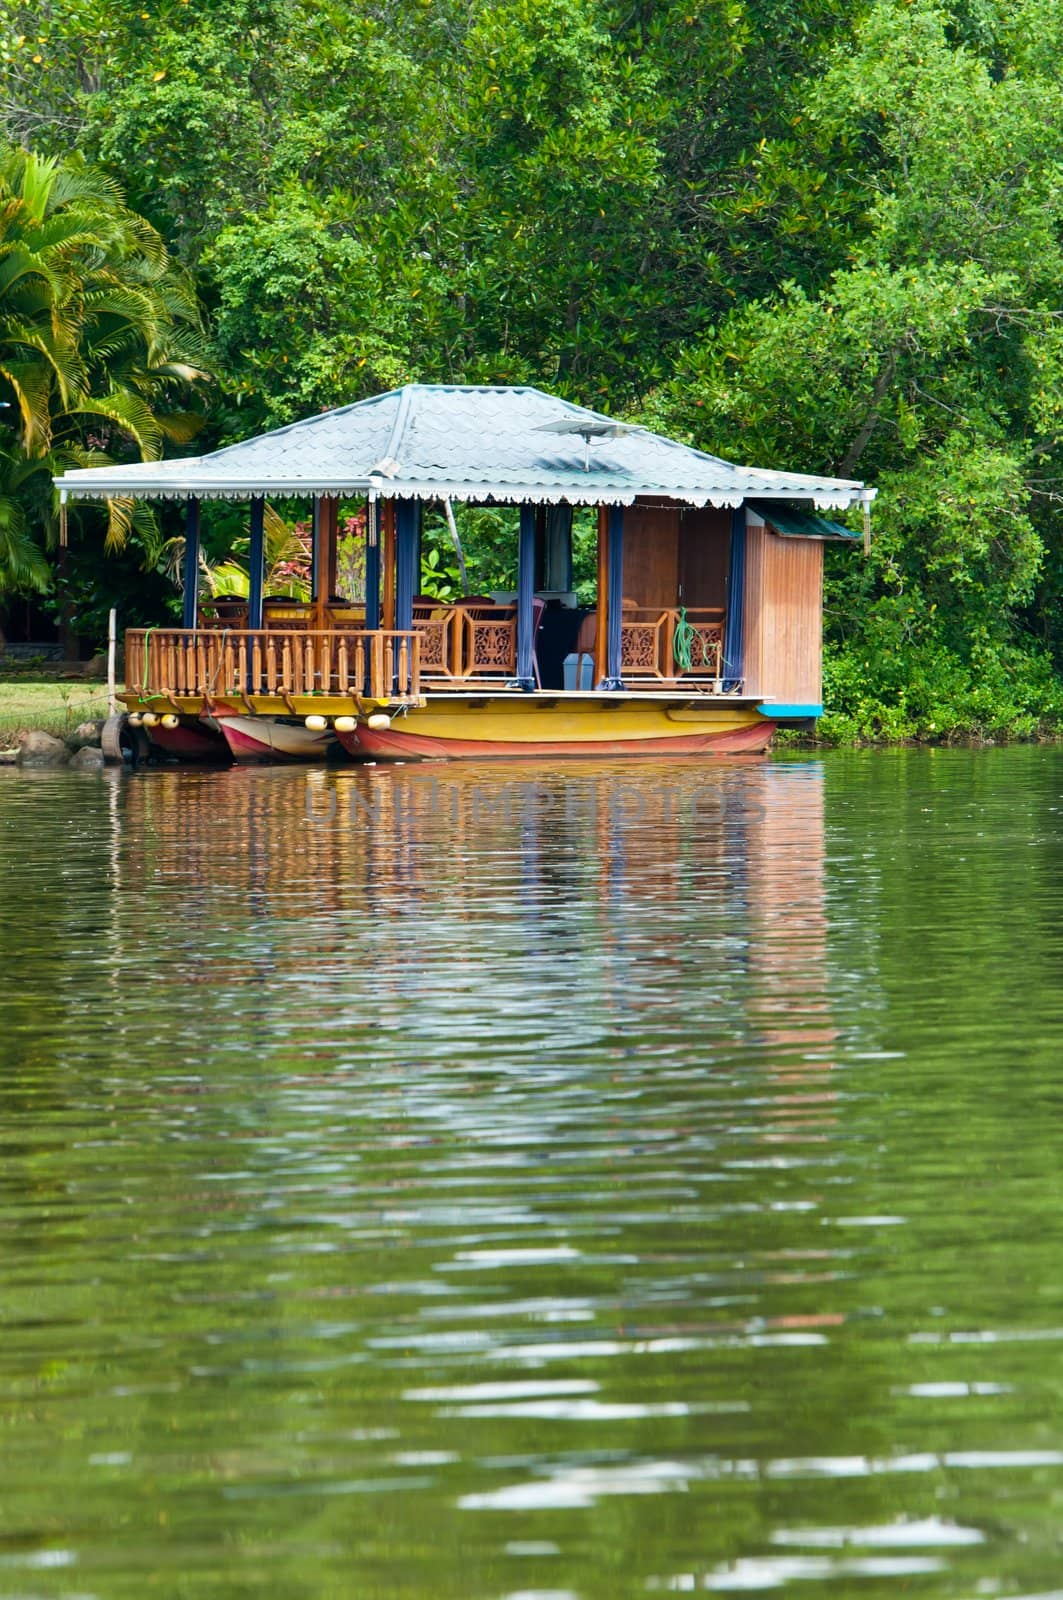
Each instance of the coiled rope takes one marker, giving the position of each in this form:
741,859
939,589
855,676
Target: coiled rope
684,640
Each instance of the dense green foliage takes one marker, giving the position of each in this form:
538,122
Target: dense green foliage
99,336
823,234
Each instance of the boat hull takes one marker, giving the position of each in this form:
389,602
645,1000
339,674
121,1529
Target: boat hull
504,728
257,740
191,740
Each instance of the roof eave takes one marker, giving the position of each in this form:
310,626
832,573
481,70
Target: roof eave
101,484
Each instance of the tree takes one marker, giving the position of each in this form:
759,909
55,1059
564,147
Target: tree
101,341
929,363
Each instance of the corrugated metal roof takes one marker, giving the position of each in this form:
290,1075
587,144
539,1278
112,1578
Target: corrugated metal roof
464,443
788,520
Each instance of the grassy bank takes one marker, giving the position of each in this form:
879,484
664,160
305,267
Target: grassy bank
55,707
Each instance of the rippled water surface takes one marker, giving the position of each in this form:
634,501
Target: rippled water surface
577,1182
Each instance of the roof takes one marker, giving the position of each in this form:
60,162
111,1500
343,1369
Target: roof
464,443
796,524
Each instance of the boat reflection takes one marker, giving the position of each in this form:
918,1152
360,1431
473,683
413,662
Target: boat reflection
507,886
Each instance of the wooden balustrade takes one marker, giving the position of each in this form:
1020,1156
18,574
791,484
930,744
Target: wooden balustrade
462,644
453,647
466,641
216,663
648,643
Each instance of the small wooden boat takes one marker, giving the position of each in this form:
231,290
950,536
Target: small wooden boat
187,739
253,740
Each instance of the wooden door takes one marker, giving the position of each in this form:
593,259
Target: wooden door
651,535
704,556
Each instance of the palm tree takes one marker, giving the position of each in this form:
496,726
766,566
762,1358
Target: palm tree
101,345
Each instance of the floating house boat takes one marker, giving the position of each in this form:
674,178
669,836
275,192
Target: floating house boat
703,637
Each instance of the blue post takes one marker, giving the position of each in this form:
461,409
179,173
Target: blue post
407,546
257,579
615,592
736,587
191,563
525,600
372,564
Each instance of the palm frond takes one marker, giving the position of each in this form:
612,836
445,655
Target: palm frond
22,562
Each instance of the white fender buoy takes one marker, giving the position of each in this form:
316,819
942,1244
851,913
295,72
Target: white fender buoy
316,724
135,719
149,719
345,724
171,721
379,719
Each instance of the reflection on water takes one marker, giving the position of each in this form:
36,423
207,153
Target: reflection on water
573,1182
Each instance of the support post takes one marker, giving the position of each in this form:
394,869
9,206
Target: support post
256,587
614,565
191,566
733,645
112,646
407,545
372,564
315,542
602,597
387,559
327,519
332,518
257,579
525,600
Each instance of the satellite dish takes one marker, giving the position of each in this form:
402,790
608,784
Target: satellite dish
588,428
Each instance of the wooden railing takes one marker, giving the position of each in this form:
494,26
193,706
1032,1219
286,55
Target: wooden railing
459,642
648,643
216,663
468,643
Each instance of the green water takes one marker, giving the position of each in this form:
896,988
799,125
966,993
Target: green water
564,1183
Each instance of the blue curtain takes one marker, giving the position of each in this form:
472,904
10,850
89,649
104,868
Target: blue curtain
372,564
191,562
525,599
257,578
407,557
615,601
736,589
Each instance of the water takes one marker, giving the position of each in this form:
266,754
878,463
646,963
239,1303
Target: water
512,1182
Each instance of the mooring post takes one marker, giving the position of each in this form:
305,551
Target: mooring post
112,643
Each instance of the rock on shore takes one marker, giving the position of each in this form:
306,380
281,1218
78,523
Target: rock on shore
88,759
37,749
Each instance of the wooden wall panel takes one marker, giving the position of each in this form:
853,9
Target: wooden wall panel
704,556
651,555
783,618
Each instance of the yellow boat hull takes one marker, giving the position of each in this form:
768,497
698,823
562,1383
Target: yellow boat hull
480,727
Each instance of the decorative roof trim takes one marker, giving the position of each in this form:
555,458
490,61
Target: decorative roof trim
378,488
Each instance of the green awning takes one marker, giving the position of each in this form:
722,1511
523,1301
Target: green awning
797,524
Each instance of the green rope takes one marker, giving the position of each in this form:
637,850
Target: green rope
145,698
683,641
